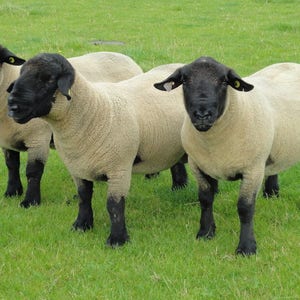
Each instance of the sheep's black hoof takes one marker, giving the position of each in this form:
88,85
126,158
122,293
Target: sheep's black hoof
113,241
179,185
83,225
152,175
207,233
27,203
247,248
271,193
13,191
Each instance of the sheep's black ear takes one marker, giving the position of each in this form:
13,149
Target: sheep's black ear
172,82
11,86
8,57
237,82
64,84
14,60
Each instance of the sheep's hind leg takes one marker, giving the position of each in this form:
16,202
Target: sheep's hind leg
14,185
271,188
179,176
34,172
85,219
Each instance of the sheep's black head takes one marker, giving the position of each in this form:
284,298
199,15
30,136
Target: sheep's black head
204,83
33,93
8,57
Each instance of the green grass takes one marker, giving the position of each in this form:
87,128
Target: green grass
41,258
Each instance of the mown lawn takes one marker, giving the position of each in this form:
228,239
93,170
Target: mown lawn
41,258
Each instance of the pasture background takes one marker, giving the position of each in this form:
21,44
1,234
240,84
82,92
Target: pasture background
41,258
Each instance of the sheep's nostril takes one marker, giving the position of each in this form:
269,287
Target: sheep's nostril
201,115
14,107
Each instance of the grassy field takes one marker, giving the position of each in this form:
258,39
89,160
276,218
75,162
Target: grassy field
41,258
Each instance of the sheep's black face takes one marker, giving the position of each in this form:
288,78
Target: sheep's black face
32,94
204,83
204,89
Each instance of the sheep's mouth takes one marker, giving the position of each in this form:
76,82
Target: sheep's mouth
201,126
18,118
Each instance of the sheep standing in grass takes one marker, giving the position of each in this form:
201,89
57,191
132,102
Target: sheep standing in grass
34,137
232,135
101,131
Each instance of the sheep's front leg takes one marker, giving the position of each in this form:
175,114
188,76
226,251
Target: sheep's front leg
118,187
118,232
207,188
14,185
246,206
34,172
85,219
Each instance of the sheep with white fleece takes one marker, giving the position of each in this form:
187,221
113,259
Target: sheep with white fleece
102,131
232,135
34,137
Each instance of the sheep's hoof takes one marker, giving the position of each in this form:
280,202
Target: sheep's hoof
13,191
83,225
207,233
246,249
117,241
27,203
179,185
151,175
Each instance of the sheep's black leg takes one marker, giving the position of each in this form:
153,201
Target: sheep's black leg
247,243
14,185
271,187
179,176
116,209
34,172
85,219
208,187
250,186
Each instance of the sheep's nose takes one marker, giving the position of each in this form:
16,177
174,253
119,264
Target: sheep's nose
201,115
12,107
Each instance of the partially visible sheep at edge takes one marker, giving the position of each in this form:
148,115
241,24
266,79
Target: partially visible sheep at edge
35,136
232,135
102,131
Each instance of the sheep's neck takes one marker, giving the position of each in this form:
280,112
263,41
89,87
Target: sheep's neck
8,74
74,120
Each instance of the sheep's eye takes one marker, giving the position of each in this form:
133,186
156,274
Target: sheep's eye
45,77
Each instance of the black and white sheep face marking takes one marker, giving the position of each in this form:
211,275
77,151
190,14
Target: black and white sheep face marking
204,83
33,93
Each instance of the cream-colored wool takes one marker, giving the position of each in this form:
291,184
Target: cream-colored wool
105,126
36,134
257,127
106,66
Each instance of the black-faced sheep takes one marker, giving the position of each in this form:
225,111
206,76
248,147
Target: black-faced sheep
232,135
34,136
102,131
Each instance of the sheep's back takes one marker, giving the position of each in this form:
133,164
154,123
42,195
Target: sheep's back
106,66
280,85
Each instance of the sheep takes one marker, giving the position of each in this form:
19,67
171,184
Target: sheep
103,131
232,135
34,137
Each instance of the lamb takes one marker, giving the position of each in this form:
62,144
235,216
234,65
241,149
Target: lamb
102,131
35,136
232,135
